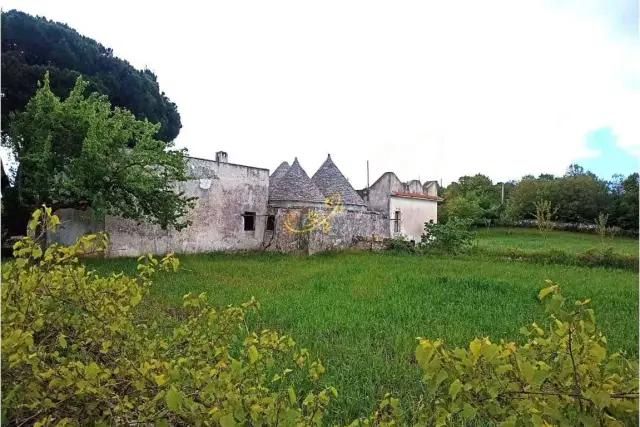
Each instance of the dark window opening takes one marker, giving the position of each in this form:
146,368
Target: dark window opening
396,222
271,223
249,221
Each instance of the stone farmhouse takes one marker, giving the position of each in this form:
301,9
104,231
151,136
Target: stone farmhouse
244,208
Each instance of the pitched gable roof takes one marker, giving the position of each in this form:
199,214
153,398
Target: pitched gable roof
330,181
295,186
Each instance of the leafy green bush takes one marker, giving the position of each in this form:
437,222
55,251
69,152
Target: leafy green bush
73,353
454,236
400,244
561,376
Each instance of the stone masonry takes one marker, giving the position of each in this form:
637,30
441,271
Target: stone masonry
244,208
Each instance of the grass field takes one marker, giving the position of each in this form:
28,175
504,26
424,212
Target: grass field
530,239
361,312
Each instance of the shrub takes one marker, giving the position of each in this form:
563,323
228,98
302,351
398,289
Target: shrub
562,376
454,236
400,244
73,354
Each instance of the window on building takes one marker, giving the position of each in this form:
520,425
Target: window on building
249,221
271,223
396,222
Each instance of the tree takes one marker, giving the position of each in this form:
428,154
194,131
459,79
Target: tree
580,197
462,208
477,191
80,153
601,227
626,206
32,45
574,170
511,213
544,216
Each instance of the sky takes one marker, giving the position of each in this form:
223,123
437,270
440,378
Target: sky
430,90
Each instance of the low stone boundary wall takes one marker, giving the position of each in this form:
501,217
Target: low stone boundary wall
370,243
571,226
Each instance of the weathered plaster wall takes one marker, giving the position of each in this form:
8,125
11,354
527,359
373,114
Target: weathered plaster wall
344,228
225,191
379,193
413,187
431,189
397,185
73,224
413,214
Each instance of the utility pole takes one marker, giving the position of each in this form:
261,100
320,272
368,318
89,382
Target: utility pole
502,192
367,176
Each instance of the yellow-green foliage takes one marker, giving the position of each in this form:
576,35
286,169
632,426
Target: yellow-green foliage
72,353
561,376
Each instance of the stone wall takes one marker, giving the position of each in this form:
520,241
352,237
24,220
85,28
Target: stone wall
73,224
225,192
343,228
370,243
577,227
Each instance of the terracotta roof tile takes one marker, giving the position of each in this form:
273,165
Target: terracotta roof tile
417,196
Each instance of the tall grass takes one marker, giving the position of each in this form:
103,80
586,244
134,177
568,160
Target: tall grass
530,239
360,312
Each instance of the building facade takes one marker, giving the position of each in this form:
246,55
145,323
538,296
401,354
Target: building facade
244,208
407,204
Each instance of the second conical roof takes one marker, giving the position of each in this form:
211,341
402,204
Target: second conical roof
330,181
295,186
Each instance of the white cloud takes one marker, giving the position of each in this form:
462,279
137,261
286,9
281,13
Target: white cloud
428,89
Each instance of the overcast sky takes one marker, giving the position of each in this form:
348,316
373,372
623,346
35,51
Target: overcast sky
427,89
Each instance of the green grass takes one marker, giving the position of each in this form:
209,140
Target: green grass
530,239
361,312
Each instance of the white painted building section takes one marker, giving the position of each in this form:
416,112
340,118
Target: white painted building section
412,214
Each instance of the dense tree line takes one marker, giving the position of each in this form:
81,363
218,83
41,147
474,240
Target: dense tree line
32,46
579,196
81,153
86,128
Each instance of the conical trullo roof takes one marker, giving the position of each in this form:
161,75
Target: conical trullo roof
276,175
295,186
330,181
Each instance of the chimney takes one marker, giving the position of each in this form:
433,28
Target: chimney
222,157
